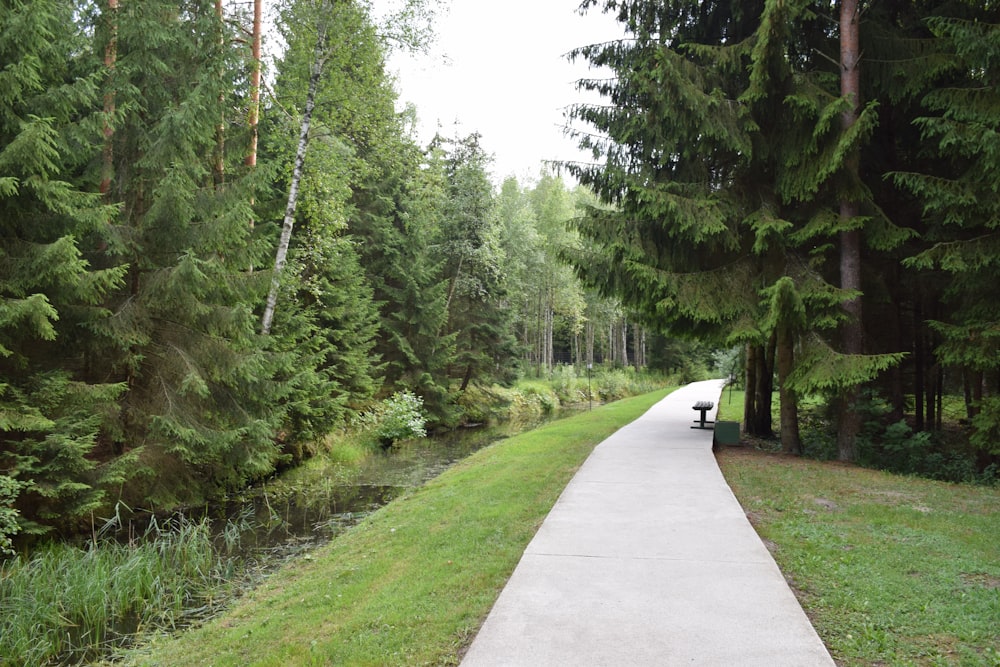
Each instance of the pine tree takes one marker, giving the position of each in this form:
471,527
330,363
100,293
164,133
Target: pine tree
50,416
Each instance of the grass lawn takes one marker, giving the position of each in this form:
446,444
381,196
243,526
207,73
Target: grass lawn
892,570
411,584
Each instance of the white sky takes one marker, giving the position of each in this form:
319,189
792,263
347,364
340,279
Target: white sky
498,69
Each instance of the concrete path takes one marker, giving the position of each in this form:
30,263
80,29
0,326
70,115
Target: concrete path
647,559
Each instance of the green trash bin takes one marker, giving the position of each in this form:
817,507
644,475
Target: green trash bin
727,433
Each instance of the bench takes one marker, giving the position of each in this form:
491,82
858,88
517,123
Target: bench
703,407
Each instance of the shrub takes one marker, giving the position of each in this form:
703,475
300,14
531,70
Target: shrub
566,384
540,394
986,426
9,490
614,384
398,417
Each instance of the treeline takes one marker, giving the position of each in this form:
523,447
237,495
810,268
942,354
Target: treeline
156,198
817,183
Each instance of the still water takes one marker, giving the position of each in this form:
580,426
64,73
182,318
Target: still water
269,532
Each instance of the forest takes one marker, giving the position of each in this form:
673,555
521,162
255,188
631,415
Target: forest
815,182
210,260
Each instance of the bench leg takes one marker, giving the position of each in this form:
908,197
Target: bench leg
702,421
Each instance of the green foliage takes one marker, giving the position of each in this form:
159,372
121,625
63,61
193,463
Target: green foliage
986,426
819,368
889,444
724,164
10,488
50,413
541,394
956,188
472,261
395,224
202,396
399,417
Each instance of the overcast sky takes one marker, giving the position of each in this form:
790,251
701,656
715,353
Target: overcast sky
498,69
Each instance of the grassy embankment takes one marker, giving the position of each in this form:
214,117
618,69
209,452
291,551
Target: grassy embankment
410,584
892,570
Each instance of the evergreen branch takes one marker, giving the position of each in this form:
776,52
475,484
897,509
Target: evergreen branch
833,61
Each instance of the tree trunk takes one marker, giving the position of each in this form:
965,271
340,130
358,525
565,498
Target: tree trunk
791,443
589,334
972,382
849,422
293,190
550,325
939,423
765,389
977,391
110,59
253,117
219,166
624,342
760,387
919,363
539,351
466,378
750,383
611,343
635,348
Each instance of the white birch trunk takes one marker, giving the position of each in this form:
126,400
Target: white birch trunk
293,190
624,341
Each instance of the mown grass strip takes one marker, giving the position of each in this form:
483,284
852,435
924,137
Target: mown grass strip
411,584
892,570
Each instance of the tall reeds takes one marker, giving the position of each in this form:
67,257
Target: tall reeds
66,604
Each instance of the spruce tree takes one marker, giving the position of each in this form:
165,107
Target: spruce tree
959,127
397,213
50,414
201,408
721,162
473,259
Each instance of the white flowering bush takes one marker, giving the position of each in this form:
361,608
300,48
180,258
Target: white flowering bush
398,417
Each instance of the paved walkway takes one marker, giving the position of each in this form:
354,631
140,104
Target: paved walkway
647,559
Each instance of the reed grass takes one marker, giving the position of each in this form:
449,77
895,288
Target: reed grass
70,604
